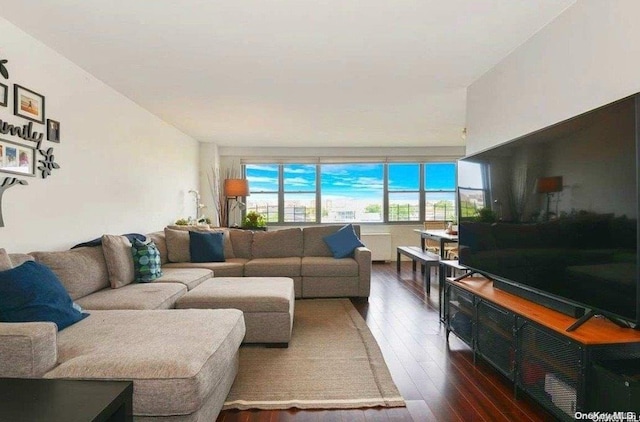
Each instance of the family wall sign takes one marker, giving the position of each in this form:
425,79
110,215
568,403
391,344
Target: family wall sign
19,153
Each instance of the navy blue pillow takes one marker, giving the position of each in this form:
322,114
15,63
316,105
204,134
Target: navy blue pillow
206,247
343,242
32,292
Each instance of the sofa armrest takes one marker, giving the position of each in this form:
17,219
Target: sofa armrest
362,256
27,349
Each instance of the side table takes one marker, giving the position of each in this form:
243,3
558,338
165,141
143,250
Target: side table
53,400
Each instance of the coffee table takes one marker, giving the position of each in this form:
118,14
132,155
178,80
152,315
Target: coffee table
54,400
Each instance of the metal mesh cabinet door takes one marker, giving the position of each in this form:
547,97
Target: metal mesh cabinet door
549,369
495,339
461,314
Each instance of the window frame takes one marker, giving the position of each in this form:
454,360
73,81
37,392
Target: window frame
422,191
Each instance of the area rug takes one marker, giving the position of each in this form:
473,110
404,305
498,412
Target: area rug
333,362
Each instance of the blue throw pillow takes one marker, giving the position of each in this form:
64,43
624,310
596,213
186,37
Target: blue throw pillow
146,261
31,292
343,242
206,247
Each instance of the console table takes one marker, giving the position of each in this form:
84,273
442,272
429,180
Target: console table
53,400
529,344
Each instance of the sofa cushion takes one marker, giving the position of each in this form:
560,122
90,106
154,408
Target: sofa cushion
175,358
81,271
177,245
273,267
343,242
314,245
117,254
277,244
241,240
135,296
5,261
233,267
146,261
160,240
19,258
228,245
31,292
206,247
190,277
28,349
325,266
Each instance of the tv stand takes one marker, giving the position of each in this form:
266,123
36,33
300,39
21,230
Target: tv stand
529,344
586,317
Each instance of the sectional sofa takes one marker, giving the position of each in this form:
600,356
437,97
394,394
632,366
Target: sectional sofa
182,361
298,253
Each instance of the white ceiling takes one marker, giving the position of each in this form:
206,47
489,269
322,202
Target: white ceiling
291,72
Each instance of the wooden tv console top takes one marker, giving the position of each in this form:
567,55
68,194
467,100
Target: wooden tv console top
593,332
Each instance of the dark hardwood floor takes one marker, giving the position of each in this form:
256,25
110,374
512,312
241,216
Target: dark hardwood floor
438,381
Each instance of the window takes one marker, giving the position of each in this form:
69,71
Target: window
439,191
354,192
263,185
299,193
404,192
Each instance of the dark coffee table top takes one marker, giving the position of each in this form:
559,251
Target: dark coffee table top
61,400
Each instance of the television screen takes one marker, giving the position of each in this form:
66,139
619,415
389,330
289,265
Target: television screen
555,212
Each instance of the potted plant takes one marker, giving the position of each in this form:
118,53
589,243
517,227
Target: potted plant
254,220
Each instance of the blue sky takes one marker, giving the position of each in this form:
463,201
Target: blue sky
357,180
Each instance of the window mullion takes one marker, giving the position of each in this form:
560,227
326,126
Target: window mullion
318,194
281,193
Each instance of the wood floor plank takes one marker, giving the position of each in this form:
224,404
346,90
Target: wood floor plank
438,379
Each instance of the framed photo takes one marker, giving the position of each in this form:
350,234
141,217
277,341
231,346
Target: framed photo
28,104
4,95
17,159
53,131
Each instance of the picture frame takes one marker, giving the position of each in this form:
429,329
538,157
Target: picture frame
28,104
4,95
53,130
17,158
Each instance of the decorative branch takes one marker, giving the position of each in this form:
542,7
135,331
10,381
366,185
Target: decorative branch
3,69
217,194
47,164
7,183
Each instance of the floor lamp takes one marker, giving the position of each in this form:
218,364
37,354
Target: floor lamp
233,189
549,185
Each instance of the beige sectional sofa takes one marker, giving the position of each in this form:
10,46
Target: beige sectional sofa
182,361
297,253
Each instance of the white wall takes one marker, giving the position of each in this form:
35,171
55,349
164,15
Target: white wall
589,56
122,169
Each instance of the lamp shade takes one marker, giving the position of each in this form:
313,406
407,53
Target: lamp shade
549,184
236,187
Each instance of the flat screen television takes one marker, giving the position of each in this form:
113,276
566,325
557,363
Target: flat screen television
552,215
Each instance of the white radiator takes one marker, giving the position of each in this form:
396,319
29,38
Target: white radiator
380,245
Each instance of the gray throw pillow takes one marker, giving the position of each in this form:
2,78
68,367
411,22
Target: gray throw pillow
117,253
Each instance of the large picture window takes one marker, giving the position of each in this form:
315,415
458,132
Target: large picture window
352,192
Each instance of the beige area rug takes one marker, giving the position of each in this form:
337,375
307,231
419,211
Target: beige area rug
333,362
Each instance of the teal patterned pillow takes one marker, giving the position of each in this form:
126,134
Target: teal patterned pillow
146,261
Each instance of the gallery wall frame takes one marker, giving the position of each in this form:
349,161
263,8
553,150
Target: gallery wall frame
28,104
4,95
17,158
53,131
